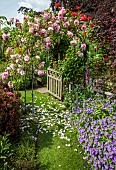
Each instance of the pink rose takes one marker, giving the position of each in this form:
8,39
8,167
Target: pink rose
50,29
83,27
17,20
66,24
70,34
5,36
55,25
46,16
11,19
10,84
40,72
30,23
26,58
9,93
48,45
42,64
80,54
38,57
36,26
49,22
31,30
4,75
83,46
47,39
43,31
76,22
73,42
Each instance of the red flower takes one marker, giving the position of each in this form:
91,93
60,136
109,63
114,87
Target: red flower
74,14
89,18
106,59
78,7
83,17
85,32
91,25
57,5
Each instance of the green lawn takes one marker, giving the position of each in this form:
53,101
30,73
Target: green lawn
55,146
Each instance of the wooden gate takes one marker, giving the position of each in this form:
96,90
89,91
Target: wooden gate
54,83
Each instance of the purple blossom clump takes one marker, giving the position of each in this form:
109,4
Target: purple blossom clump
95,120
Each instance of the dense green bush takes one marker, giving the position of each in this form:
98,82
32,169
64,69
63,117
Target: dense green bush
9,111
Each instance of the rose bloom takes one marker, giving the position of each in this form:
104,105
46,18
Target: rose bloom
55,25
26,58
83,27
73,42
47,39
80,54
66,24
42,64
38,57
50,29
17,20
12,66
83,46
30,23
5,36
36,26
48,45
43,31
31,30
49,22
76,22
10,84
11,19
9,93
9,49
70,34
40,72
58,5
4,75
46,16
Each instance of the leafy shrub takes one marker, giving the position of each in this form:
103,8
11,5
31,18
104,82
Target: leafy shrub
95,123
9,115
5,152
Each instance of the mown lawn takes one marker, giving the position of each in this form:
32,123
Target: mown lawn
48,141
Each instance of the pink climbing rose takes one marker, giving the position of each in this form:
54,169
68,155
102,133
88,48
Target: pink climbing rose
40,72
26,58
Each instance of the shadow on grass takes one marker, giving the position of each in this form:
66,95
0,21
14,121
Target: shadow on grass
44,140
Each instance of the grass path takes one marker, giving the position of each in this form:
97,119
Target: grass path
57,146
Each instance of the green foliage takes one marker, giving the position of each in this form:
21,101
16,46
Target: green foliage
5,152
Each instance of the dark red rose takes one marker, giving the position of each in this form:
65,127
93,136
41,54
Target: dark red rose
58,5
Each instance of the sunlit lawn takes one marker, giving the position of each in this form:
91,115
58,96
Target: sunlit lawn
53,145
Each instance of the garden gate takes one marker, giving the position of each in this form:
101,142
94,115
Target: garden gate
54,83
